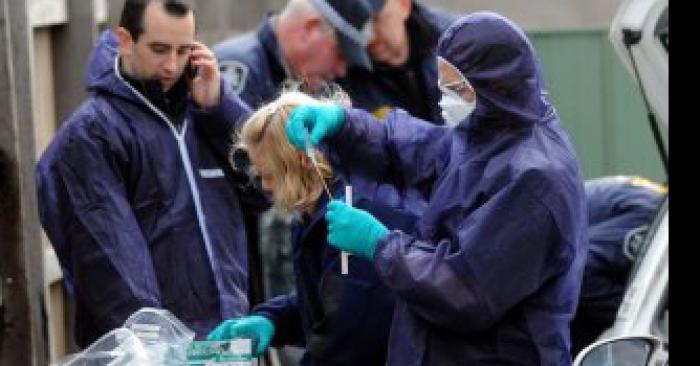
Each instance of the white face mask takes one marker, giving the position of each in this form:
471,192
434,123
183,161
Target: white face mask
454,108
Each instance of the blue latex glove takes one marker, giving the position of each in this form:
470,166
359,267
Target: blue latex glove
256,327
320,119
353,230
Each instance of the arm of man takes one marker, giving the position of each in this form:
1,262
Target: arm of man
400,150
220,114
495,257
88,217
220,111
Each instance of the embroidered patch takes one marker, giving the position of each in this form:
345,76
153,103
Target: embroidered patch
236,72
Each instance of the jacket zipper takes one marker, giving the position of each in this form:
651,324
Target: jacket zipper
184,156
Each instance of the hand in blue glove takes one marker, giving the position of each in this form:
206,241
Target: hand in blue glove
353,230
320,119
256,327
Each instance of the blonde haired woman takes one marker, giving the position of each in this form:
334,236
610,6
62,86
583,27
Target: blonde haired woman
338,319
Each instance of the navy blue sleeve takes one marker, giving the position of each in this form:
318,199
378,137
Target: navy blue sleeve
401,149
498,255
87,216
285,314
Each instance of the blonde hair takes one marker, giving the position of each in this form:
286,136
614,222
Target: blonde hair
298,185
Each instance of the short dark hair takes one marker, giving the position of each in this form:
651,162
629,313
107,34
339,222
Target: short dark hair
134,10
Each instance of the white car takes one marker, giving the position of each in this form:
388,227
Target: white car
639,335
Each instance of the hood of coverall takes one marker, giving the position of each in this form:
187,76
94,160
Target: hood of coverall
100,70
494,55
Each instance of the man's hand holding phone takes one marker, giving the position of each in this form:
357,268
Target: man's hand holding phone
203,76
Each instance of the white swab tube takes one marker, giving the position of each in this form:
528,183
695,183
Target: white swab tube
344,256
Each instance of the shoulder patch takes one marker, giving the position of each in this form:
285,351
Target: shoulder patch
236,72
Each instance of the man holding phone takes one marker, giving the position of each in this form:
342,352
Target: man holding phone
135,192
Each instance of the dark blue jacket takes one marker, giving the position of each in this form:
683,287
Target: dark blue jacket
620,211
142,213
253,64
493,274
339,319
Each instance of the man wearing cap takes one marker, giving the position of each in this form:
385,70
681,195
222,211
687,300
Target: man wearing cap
317,40
311,41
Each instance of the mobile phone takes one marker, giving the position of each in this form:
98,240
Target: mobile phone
190,70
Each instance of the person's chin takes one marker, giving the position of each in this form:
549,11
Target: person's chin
389,58
382,61
167,83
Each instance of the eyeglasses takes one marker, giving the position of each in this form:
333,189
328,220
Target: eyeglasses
458,86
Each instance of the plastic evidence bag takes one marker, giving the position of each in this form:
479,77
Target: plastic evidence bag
155,337
119,347
165,338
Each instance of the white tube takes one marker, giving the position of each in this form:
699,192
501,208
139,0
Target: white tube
344,256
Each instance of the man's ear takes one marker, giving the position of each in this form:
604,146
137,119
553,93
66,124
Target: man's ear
126,42
313,27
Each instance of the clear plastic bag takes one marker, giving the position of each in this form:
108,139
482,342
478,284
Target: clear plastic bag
156,337
164,337
120,347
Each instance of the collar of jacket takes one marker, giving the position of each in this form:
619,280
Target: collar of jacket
173,102
268,39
